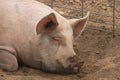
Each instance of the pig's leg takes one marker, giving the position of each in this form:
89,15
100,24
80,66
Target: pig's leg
8,61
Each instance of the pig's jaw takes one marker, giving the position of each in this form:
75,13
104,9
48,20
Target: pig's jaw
72,69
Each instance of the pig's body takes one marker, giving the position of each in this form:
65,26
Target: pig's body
18,37
18,20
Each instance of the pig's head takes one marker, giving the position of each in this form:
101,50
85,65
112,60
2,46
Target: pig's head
56,35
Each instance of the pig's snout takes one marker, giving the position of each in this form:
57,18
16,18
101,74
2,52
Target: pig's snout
74,64
76,67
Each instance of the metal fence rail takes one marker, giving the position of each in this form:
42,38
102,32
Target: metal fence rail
82,11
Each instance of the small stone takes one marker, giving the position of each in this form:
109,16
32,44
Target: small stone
97,52
2,75
103,7
61,12
71,1
77,0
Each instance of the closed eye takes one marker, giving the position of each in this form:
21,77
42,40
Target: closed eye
56,38
61,40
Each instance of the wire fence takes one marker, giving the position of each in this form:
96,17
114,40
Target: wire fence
82,11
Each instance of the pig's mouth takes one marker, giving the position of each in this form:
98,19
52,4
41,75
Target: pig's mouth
74,69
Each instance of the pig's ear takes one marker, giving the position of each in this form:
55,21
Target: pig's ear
78,25
47,24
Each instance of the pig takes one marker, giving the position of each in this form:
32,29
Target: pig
37,36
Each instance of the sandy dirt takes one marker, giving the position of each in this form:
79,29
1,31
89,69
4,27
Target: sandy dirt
96,48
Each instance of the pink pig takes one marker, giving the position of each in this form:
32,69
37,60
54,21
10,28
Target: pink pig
37,36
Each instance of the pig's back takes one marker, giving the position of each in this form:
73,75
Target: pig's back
18,19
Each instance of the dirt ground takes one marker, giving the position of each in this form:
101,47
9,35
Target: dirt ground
96,48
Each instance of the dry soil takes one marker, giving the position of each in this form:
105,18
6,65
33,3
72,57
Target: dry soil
96,47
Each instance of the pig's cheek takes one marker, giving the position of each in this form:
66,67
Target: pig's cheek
54,46
56,43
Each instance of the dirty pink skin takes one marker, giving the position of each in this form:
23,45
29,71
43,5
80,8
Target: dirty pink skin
37,36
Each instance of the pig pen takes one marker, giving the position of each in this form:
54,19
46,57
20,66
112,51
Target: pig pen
96,47
99,51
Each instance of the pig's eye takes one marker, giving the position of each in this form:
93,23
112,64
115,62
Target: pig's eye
56,38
